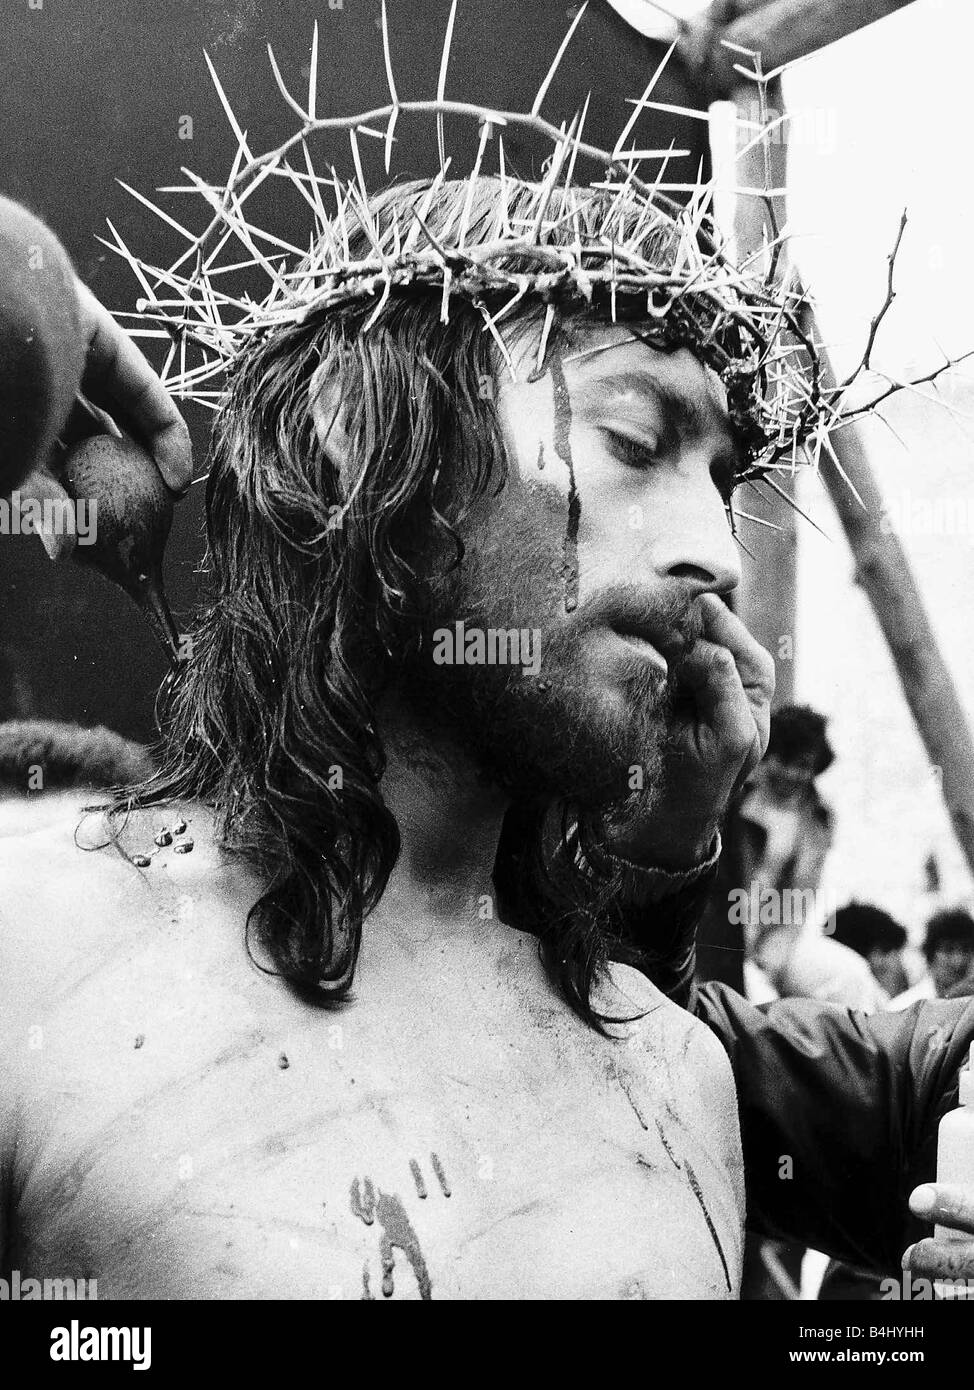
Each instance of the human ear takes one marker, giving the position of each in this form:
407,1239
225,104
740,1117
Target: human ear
330,417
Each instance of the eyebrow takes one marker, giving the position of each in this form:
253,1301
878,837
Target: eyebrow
682,410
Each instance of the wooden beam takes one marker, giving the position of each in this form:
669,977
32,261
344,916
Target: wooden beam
782,31
786,30
883,572
768,602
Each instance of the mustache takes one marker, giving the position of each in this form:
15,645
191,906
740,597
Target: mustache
672,620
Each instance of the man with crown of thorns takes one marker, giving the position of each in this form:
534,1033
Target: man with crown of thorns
382,986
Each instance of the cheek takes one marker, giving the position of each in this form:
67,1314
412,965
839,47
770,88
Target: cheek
512,569
620,511
616,512
532,510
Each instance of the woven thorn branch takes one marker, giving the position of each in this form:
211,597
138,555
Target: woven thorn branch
616,243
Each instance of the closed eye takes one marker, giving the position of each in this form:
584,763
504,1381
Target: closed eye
634,453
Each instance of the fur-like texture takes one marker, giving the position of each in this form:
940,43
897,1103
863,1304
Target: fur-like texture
42,755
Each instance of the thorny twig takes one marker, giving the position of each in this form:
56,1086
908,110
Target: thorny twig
746,326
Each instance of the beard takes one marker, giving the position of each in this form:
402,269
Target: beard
578,729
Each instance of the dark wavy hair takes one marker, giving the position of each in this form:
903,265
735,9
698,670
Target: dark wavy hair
864,928
950,927
797,730
316,584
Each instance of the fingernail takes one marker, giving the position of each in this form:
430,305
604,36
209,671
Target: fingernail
176,473
173,453
905,1262
924,1199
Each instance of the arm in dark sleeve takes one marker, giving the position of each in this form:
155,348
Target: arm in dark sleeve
839,1113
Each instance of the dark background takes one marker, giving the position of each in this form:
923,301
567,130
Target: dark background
93,90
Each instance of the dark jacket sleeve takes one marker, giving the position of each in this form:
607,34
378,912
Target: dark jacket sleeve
839,1113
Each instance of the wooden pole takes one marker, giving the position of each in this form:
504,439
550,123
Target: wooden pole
883,572
787,30
768,603
781,32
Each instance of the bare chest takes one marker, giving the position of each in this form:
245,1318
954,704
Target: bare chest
192,1141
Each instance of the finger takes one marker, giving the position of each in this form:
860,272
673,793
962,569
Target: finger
945,1204
54,513
941,1259
118,374
711,676
754,664
753,661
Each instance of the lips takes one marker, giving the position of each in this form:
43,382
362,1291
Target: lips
655,642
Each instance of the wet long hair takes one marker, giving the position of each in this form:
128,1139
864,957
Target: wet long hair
316,578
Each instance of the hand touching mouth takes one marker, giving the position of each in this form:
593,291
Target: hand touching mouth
654,641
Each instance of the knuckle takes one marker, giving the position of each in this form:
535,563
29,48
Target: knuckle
739,740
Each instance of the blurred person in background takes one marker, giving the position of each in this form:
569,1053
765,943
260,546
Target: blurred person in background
879,939
948,946
786,825
778,840
776,837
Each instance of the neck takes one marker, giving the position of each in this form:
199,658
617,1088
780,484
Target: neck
449,820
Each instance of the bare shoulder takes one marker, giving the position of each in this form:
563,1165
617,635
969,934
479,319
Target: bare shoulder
661,1023
674,1052
78,888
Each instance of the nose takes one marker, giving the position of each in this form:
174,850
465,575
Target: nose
693,538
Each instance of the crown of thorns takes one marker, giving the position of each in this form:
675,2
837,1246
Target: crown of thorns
616,244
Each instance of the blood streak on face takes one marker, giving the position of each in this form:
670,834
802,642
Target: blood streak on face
563,448
603,558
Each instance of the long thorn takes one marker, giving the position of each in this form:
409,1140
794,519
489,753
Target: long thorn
441,83
542,90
